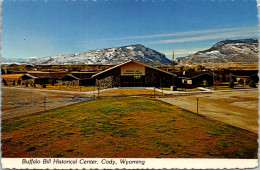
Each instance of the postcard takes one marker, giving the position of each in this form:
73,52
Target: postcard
135,84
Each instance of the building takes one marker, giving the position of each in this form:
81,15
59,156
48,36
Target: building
79,78
195,79
134,74
42,78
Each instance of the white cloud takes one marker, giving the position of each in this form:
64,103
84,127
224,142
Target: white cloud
186,33
222,35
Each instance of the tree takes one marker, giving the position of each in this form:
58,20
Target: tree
52,82
4,82
231,83
199,68
205,83
252,84
241,81
217,82
43,85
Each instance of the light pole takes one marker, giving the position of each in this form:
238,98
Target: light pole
214,87
197,105
80,81
44,103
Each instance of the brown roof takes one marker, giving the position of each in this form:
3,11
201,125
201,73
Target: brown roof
196,74
83,75
44,75
134,62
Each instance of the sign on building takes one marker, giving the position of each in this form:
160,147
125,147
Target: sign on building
132,69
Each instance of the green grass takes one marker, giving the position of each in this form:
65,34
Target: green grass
16,124
124,127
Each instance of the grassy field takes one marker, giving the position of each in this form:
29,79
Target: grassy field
124,127
122,92
11,76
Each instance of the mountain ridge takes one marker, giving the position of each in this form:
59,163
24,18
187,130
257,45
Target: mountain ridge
107,56
241,50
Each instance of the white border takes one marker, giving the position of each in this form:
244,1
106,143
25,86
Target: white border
155,163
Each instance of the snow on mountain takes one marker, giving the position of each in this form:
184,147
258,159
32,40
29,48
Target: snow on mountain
242,50
110,56
12,60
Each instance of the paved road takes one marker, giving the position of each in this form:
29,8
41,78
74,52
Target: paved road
21,101
238,108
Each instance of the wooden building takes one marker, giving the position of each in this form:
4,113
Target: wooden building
80,78
42,78
134,74
195,79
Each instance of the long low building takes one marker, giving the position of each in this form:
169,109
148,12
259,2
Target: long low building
134,74
42,78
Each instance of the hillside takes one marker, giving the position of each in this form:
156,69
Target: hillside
109,56
242,50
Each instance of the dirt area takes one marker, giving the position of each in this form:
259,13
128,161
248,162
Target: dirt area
19,102
237,108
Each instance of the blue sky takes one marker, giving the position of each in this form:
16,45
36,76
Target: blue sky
39,28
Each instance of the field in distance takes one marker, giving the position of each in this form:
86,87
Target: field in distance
124,127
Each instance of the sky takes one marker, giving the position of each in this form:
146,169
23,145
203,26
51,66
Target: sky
40,28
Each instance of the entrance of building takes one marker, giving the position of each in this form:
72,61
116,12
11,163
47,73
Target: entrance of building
132,81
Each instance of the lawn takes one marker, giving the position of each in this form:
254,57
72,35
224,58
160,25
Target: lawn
11,77
122,92
124,127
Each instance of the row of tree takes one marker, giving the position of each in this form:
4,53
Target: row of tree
26,84
251,83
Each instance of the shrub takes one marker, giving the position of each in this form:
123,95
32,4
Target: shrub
32,148
205,83
241,81
231,83
5,82
252,84
43,85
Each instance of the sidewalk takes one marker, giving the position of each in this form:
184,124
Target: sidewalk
200,90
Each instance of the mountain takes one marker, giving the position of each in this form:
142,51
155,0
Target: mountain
109,56
242,50
12,60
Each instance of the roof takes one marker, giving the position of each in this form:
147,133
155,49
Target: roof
70,75
196,74
134,62
28,75
239,76
44,75
83,75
